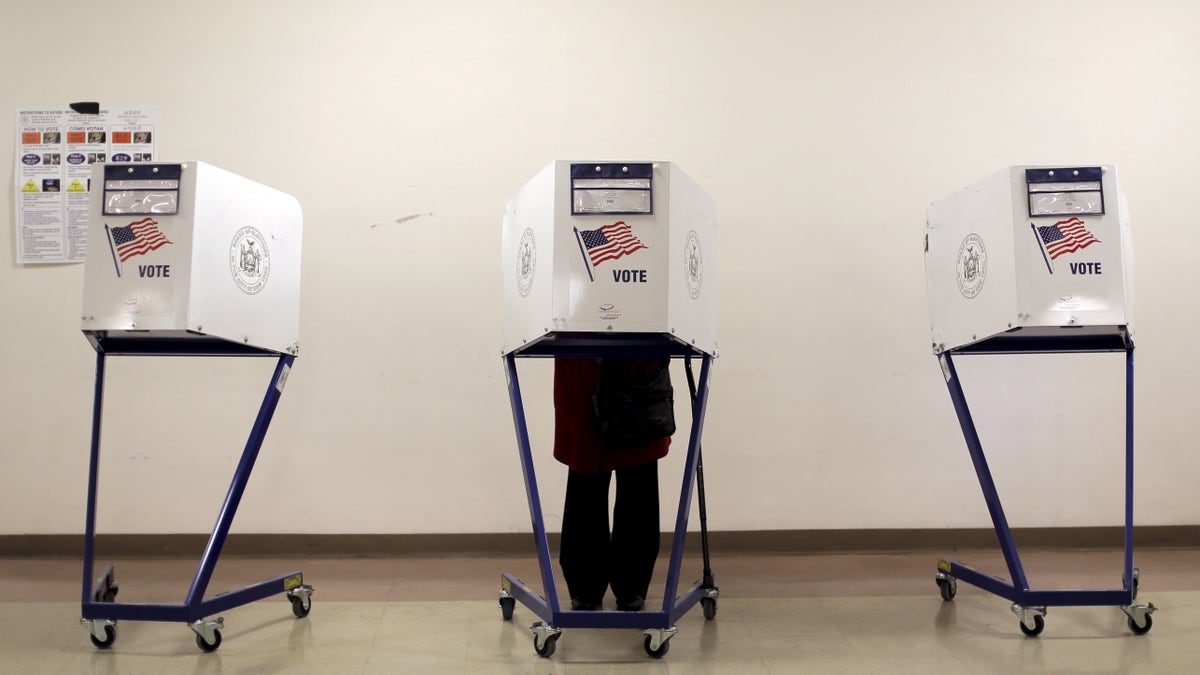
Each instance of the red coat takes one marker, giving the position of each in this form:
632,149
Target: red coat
576,441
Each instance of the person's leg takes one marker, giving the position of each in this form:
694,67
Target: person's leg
584,552
635,535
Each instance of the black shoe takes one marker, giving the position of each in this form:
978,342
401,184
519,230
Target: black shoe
578,605
634,604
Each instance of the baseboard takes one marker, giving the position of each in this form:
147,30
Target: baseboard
743,542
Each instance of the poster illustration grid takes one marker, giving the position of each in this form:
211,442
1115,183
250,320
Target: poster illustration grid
55,152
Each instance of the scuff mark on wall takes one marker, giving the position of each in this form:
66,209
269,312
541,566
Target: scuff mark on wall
404,219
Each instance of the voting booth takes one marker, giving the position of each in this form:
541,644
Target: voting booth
191,253
1030,252
611,260
1033,260
610,248
186,259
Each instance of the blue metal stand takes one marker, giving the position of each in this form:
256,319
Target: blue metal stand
1030,605
99,610
657,626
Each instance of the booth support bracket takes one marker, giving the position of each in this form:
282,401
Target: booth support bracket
99,610
1030,605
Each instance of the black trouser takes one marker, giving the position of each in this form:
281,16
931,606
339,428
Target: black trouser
590,556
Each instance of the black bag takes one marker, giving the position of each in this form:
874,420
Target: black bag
633,405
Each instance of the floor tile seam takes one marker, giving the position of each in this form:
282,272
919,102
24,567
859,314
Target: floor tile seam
461,663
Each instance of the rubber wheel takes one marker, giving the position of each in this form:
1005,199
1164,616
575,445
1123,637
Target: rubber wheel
1141,630
110,636
506,608
205,646
547,649
110,594
947,588
656,653
300,606
709,605
1039,624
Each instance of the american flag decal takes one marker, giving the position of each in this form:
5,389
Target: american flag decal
1065,236
138,238
609,242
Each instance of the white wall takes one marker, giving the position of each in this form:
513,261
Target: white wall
822,130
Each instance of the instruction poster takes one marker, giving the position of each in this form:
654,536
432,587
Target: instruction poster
55,152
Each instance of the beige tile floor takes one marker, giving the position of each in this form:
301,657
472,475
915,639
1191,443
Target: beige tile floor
863,613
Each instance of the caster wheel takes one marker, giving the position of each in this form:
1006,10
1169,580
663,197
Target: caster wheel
546,650
709,605
948,588
1039,624
1137,630
110,636
209,646
656,653
110,595
506,608
300,606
